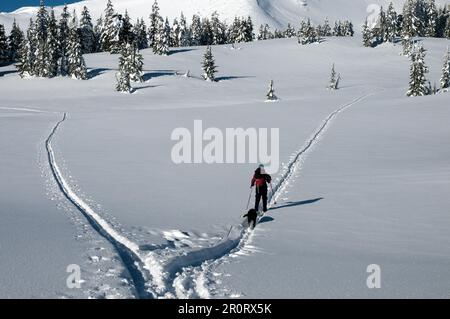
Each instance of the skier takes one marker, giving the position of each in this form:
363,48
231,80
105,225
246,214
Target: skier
260,180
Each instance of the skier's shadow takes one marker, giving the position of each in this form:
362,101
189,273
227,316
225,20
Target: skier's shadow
299,203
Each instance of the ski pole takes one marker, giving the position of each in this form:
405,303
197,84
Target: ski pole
249,197
271,188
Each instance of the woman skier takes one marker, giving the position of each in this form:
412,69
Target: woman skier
260,180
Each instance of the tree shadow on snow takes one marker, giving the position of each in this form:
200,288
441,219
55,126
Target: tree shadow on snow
228,78
176,51
96,72
3,73
299,203
154,74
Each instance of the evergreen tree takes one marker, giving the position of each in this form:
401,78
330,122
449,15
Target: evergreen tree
407,45
51,48
4,52
270,96
41,29
431,15
25,66
175,34
125,67
109,35
87,33
248,30
218,30
207,34
162,38
140,33
337,32
334,79
326,29
154,23
185,33
14,41
307,34
290,31
407,22
209,66
63,36
366,35
136,64
26,53
418,82
196,30
445,78
126,34
391,23
447,28
76,65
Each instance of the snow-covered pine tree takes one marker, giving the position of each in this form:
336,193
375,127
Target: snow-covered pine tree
196,30
407,45
407,22
218,30
14,41
419,18
88,39
154,22
326,29
41,28
63,37
445,78
140,33
126,34
109,34
76,65
123,76
418,82
270,96
207,34
391,23
175,34
136,64
334,79
185,33
290,31
248,30
26,53
337,31
447,28
4,52
25,67
307,34
431,18
51,48
162,37
209,65
367,34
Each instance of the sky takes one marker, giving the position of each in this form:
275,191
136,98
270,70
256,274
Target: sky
11,5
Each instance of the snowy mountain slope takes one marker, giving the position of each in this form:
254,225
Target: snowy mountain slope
276,13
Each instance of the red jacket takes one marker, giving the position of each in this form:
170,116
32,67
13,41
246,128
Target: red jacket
261,179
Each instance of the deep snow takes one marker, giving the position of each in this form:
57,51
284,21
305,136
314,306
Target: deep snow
371,189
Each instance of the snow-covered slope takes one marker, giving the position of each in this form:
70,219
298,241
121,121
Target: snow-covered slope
277,13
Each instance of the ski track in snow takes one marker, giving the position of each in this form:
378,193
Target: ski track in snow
197,277
183,274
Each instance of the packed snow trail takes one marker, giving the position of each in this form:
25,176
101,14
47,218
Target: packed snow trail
194,276
128,251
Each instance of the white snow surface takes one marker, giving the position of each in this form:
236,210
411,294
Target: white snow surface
365,178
